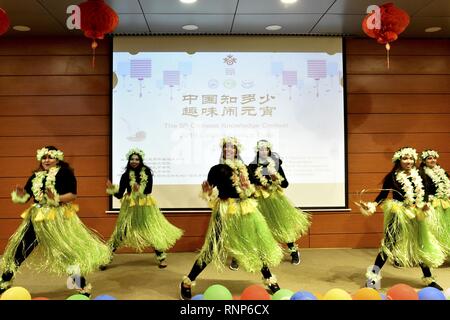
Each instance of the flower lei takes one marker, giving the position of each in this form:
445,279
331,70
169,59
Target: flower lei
240,170
36,187
410,191
272,171
440,180
144,180
55,154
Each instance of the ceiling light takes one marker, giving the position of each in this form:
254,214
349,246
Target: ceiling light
273,27
21,28
433,29
288,1
190,27
188,1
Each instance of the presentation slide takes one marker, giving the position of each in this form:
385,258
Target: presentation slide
177,106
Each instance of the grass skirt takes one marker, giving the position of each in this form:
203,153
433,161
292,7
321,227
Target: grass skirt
286,222
141,225
65,244
441,225
237,228
408,238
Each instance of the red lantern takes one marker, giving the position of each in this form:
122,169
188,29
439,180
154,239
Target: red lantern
4,21
393,21
97,19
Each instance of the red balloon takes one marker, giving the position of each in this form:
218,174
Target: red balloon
402,292
97,19
255,292
393,22
40,298
4,21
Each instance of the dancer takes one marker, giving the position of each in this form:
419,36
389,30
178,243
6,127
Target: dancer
407,236
286,222
51,228
236,227
439,189
140,223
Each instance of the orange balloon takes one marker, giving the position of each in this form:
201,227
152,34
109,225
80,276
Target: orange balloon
236,297
337,294
402,292
366,294
318,295
40,298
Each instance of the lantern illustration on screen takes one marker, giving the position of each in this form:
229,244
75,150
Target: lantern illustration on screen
171,78
317,69
290,79
140,69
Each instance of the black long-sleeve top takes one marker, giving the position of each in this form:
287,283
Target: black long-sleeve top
125,182
429,183
65,182
254,179
220,176
391,183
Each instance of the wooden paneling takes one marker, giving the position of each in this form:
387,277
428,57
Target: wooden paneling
346,240
345,223
404,47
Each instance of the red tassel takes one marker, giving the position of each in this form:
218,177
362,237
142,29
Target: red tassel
93,46
388,47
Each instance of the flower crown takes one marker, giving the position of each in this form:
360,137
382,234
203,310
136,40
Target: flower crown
136,151
263,144
55,154
427,153
230,140
403,152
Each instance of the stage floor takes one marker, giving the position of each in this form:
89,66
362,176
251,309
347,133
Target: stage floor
137,276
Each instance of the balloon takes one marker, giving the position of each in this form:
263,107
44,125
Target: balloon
78,296
16,293
367,294
104,297
447,293
198,297
384,297
236,297
430,293
303,295
217,292
255,292
337,294
402,292
318,295
282,294
40,298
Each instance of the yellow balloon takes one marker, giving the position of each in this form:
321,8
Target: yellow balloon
16,293
337,294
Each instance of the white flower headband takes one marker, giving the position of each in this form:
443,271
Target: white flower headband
135,151
427,153
263,144
230,140
403,152
55,154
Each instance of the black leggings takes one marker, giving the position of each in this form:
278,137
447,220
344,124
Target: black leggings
28,243
381,260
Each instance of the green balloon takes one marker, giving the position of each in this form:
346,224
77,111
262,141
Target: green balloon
282,294
78,297
217,292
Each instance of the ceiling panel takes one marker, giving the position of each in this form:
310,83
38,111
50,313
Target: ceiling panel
275,6
360,6
342,24
418,25
125,6
172,23
132,23
291,23
437,8
201,6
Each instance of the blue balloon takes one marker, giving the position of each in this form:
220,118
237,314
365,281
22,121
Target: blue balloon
430,293
383,296
198,297
303,295
104,297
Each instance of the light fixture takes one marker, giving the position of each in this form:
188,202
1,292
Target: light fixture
190,27
274,27
288,1
433,29
188,1
21,28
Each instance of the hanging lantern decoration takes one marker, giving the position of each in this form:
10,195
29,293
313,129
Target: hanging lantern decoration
4,21
385,25
97,19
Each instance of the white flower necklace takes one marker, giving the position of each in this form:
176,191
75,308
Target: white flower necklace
440,180
143,182
413,195
240,179
50,182
271,171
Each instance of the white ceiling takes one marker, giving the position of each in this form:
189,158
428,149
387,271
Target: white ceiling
314,17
